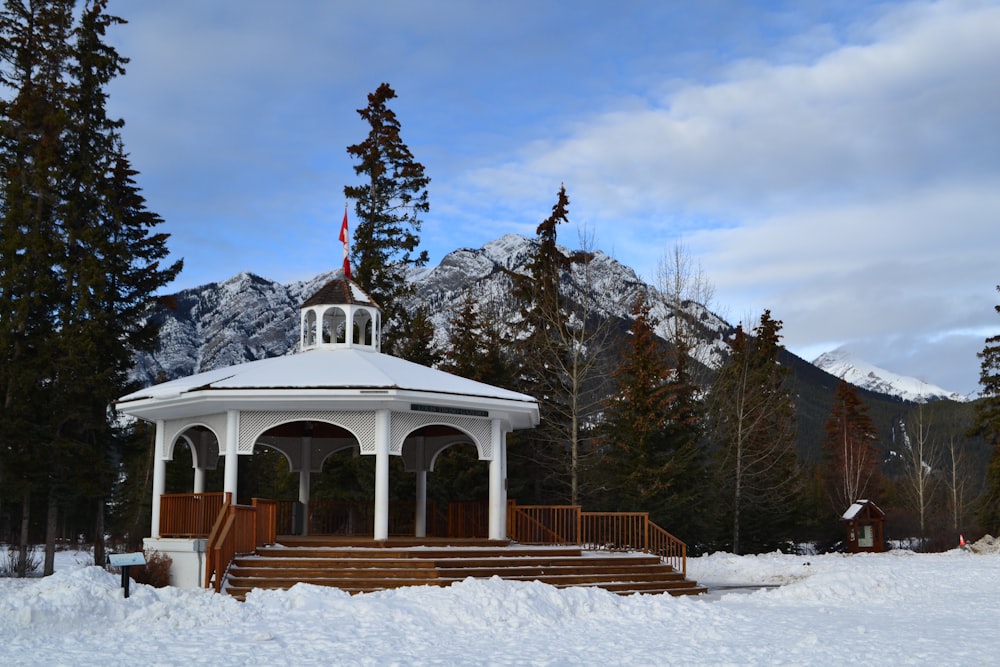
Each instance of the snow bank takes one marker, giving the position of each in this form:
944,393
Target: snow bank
919,609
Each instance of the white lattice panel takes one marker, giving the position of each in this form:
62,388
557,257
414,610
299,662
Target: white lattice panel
404,423
253,424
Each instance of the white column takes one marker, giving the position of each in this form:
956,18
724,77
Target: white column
381,475
420,511
232,452
506,483
306,462
420,518
200,459
498,502
159,479
199,480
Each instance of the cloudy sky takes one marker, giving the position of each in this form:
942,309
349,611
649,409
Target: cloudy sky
835,162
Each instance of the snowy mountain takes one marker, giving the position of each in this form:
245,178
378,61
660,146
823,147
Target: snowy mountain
843,364
249,317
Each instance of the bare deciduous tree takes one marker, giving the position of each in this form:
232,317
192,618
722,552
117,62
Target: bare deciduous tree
922,459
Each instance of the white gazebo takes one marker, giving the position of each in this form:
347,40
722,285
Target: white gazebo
337,392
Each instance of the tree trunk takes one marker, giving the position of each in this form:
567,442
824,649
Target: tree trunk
51,528
22,554
99,557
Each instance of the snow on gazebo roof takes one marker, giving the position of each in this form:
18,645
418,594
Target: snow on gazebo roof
328,369
322,373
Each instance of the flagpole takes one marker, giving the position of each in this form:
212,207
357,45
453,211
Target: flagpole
345,239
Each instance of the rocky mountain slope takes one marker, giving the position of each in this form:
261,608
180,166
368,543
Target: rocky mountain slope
249,317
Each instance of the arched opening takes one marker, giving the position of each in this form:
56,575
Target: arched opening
459,475
266,474
309,329
334,325
193,466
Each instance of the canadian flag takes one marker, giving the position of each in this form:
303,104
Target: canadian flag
343,239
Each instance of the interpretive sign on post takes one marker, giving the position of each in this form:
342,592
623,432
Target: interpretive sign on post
125,561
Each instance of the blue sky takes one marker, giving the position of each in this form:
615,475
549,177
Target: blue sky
835,162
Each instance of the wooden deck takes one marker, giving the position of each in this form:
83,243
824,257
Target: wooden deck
362,565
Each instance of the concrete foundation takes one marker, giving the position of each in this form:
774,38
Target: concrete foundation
188,555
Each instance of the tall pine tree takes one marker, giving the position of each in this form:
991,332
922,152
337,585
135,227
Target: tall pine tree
987,424
851,457
78,244
651,431
562,352
34,46
388,206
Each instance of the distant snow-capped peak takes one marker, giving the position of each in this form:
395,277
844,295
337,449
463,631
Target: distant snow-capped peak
846,366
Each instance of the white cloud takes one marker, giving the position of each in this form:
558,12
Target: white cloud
839,165
855,195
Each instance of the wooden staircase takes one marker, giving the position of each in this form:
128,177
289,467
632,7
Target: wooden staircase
362,566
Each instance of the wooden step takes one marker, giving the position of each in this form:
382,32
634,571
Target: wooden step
421,553
362,568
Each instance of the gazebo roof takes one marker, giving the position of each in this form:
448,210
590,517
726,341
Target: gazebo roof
342,291
305,379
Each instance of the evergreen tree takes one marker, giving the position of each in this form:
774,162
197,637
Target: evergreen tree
852,458
77,245
651,431
35,53
561,357
987,424
417,345
476,347
475,350
753,420
388,205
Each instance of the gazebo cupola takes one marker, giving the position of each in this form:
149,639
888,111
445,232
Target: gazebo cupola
340,315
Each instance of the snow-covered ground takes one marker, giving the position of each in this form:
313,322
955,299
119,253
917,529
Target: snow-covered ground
897,608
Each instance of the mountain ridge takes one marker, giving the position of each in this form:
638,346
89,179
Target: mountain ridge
845,365
248,317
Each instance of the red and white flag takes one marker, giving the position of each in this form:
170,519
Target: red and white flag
343,239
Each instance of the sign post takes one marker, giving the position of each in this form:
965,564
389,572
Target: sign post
125,561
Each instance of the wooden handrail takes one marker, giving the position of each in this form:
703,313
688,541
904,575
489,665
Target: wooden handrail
667,547
212,553
612,531
238,529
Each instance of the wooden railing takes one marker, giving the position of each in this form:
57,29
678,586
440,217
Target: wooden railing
667,547
604,531
544,524
266,520
356,517
614,531
468,519
238,529
188,514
